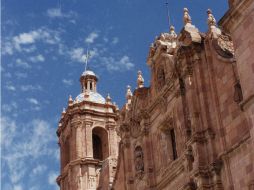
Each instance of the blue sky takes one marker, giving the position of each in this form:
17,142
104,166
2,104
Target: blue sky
42,58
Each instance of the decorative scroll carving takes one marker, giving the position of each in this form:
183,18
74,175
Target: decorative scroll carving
135,129
224,46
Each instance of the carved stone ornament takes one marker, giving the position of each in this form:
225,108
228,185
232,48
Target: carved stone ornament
224,46
139,160
165,43
168,123
140,80
135,128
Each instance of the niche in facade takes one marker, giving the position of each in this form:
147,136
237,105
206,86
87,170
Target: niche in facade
100,143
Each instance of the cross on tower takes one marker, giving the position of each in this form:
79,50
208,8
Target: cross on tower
86,57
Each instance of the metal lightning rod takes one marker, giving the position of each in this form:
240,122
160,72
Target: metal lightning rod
167,6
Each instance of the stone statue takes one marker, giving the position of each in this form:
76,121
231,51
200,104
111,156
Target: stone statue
140,80
139,162
211,21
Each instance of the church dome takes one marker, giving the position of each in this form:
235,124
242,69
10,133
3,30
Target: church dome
91,97
87,72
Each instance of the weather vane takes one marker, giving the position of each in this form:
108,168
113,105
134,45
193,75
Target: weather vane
168,13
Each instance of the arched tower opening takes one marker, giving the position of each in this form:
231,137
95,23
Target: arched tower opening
100,143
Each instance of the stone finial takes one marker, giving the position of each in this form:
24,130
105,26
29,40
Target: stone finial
70,101
186,16
172,32
211,21
128,93
140,80
108,98
64,111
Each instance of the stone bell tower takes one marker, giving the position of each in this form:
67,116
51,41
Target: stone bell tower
88,140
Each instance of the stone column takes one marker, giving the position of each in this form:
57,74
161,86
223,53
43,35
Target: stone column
111,139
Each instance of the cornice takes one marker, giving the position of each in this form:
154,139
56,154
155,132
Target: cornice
233,16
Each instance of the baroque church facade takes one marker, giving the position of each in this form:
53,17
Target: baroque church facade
191,129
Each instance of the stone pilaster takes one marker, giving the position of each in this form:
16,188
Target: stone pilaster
89,139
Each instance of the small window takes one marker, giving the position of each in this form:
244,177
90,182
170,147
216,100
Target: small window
173,143
91,86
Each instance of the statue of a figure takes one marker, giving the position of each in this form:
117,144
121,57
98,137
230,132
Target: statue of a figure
139,162
140,80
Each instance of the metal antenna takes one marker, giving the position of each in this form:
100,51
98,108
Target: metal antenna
168,13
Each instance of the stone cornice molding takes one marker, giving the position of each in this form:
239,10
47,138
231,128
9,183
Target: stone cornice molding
76,122
110,126
88,123
231,20
80,161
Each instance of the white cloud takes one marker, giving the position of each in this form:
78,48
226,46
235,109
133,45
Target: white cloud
24,42
26,38
10,87
37,58
67,82
29,87
122,64
91,37
77,54
115,40
10,107
33,101
20,75
24,145
39,169
23,64
52,178
17,187
57,13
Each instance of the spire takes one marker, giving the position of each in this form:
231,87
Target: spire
108,99
63,112
128,93
140,80
211,21
70,101
186,16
